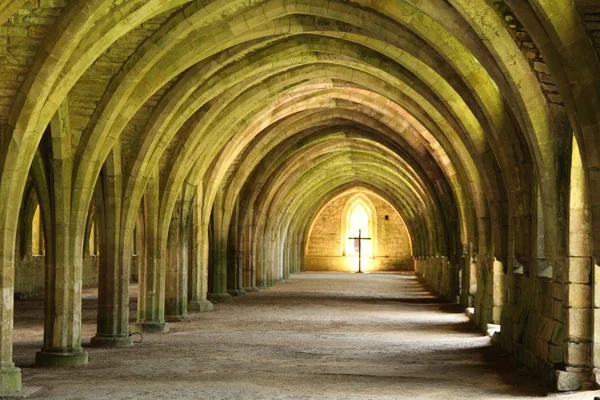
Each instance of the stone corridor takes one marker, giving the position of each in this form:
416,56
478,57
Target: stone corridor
197,151
319,336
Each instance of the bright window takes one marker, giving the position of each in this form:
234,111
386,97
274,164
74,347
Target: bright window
359,223
37,235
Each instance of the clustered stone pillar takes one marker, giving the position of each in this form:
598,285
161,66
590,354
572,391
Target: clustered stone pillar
248,270
261,246
578,301
10,376
472,260
484,298
62,318
115,262
151,297
219,260
234,259
497,290
198,268
176,297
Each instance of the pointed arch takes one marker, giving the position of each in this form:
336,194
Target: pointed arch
359,203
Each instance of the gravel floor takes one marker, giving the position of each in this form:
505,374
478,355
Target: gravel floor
319,336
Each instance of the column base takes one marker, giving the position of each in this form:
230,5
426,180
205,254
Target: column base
151,327
58,359
10,380
267,284
110,341
178,318
251,289
200,306
237,293
220,298
569,381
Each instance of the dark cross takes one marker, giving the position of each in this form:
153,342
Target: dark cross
359,239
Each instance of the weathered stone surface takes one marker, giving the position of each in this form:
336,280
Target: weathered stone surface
61,360
196,147
10,380
200,306
568,381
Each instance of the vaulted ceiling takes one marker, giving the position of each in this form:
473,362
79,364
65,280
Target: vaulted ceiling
461,113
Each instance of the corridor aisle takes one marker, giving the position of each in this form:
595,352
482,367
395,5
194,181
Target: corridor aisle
319,336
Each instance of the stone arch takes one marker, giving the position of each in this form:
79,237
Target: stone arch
434,101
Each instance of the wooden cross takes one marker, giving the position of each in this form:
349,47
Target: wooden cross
359,239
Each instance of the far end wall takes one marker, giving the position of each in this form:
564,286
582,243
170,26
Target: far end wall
391,251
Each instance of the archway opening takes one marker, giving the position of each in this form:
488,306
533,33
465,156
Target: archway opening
37,234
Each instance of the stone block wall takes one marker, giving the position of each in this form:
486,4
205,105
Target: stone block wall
439,275
30,274
530,312
533,322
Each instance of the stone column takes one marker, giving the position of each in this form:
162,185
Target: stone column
260,257
198,265
498,290
271,256
472,278
481,315
151,295
219,293
219,261
62,318
290,253
248,271
234,259
10,376
176,296
291,248
578,301
279,260
287,259
113,277
294,258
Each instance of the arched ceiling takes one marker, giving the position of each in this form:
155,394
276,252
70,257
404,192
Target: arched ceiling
450,110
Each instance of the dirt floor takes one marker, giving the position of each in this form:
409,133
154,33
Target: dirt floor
319,336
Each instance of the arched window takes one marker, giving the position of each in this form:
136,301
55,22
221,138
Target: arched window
359,216
37,234
359,225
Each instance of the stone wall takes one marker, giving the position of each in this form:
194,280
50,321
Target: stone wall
392,247
439,275
532,322
344,264
30,274
530,312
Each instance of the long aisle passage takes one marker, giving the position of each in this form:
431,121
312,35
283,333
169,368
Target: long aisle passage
319,336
